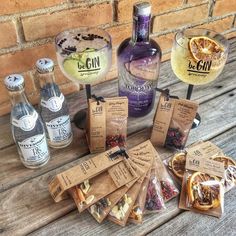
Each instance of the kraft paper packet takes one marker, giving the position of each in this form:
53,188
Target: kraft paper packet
141,158
162,119
202,191
96,125
91,191
137,213
168,188
119,214
79,173
100,211
172,122
181,123
205,149
116,121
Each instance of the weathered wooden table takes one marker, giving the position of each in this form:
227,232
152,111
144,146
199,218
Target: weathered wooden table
26,206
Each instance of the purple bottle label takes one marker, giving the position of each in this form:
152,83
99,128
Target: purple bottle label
137,81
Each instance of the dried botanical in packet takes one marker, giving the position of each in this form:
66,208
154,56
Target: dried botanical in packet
176,163
137,213
154,200
202,190
96,125
116,121
140,158
168,188
85,170
120,212
181,122
91,191
173,121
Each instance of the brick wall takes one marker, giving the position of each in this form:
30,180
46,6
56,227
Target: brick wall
27,30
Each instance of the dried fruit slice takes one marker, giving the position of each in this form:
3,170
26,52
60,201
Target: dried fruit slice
206,49
229,180
203,191
177,163
226,160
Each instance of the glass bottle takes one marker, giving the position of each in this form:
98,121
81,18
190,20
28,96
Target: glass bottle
139,60
53,106
26,125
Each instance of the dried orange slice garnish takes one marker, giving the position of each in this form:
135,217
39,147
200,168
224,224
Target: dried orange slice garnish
230,171
203,191
177,164
226,160
204,48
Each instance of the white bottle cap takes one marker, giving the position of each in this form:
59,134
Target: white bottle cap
14,82
44,65
142,9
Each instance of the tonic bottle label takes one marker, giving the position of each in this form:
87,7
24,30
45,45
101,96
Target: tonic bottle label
27,122
54,104
34,149
59,129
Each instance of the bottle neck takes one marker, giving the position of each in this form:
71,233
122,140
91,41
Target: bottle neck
18,97
141,28
46,78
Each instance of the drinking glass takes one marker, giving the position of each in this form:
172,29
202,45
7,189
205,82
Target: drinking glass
198,57
84,57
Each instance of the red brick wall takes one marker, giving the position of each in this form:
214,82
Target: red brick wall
27,30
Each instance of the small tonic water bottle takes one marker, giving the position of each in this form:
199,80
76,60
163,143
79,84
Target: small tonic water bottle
26,125
53,106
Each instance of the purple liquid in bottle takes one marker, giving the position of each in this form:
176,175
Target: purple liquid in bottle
138,64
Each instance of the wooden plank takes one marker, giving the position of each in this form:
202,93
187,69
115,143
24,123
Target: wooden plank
12,171
42,211
189,223
83,224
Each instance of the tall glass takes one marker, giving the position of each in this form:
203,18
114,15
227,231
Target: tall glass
198,57
84,56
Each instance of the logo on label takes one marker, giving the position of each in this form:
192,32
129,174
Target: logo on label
27,122
54,104
202,67
195,162
91,64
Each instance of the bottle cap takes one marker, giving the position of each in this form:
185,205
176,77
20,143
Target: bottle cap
142,9
14,82
44,65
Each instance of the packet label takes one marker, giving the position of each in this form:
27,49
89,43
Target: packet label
205,165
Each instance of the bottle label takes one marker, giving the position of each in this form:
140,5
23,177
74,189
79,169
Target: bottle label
54,104
59,129
138,81
34,149
27,122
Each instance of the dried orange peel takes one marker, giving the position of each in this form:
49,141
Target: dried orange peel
205,48
226,160
203,191
177,164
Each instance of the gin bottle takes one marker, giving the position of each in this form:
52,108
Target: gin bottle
53,106
26,125
138,64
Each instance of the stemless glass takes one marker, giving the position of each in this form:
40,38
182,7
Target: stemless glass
198,56
84,57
